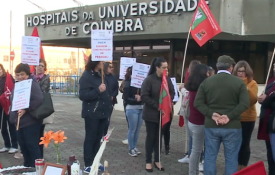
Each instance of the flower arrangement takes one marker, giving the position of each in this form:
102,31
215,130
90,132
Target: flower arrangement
58,138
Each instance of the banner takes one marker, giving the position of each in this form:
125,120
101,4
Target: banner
30,52
125,62
139,73
102,45
204,26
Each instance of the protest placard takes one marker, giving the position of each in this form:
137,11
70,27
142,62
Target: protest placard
102,45
125,62
176,97
30,51
139,73
21,95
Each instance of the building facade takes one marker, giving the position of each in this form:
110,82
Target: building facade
148,29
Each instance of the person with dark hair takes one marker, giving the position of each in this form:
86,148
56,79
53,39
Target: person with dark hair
248,117
8,130
113,88
150,91
97,107
44,83
29,127
211,71
134,108
222,99
196,119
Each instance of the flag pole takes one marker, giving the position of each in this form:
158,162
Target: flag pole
18,121
268,73
159,138
10,38
184,56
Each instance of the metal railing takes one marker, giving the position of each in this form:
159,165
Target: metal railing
64,85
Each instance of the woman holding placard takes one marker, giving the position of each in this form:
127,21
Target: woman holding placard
96,108
29,127
150,93
134,108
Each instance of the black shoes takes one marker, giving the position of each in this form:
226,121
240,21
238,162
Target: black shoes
160,169
167,150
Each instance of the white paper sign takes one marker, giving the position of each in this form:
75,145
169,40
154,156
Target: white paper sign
21,95
125,62
102,45
30,51
139,73
53,170
176,97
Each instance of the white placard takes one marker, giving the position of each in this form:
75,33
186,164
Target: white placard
176,97
53,170
102,45
30,51
125,62
21,95
139,73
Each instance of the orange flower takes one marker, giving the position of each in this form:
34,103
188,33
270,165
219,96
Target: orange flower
59,137
46,140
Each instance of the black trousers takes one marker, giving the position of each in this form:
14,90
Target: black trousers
107,125
166,133
94,129
8,131
124,105
28,141
41,134
244,153
270,160
152,141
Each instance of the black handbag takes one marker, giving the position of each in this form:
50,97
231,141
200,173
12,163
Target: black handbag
45,109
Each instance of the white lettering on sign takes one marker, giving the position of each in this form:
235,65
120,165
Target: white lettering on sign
107,15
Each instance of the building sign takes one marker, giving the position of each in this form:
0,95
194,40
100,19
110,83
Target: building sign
119,18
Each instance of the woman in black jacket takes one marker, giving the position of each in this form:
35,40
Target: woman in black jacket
8,130
29,127
150,92
134,108
96,108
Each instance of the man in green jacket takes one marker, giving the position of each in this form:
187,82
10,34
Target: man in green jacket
222,98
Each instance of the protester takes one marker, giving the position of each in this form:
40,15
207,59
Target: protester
44,83
211,71
196,119
266,116
134,108
96,109
113,88
150,93
248,117
29,127
8,130
222,99
185,96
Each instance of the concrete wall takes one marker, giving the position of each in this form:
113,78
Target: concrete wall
119,106
241,17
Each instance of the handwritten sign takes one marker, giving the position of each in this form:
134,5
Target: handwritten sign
125,62
21,95
30,52
176,97
139,73
102,45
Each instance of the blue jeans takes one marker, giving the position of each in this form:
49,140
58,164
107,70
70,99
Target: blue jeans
232,139
28,139
135,121
272,142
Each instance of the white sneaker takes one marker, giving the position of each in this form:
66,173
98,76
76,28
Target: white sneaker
125,142
184,160
201,167
13,150
4,150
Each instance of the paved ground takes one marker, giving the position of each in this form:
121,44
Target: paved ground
67,118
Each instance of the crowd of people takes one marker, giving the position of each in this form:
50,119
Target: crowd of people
216,108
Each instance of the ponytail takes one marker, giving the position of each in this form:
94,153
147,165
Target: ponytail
156,63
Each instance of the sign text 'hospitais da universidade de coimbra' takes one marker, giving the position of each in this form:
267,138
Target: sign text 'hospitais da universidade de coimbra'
119,18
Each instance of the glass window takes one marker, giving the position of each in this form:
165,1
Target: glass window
162,47
127,48
6,58
65,60
119,48
141,47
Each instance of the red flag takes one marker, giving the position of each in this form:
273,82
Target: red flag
204,26
35,33
165,101
186,75
85,56
4,98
